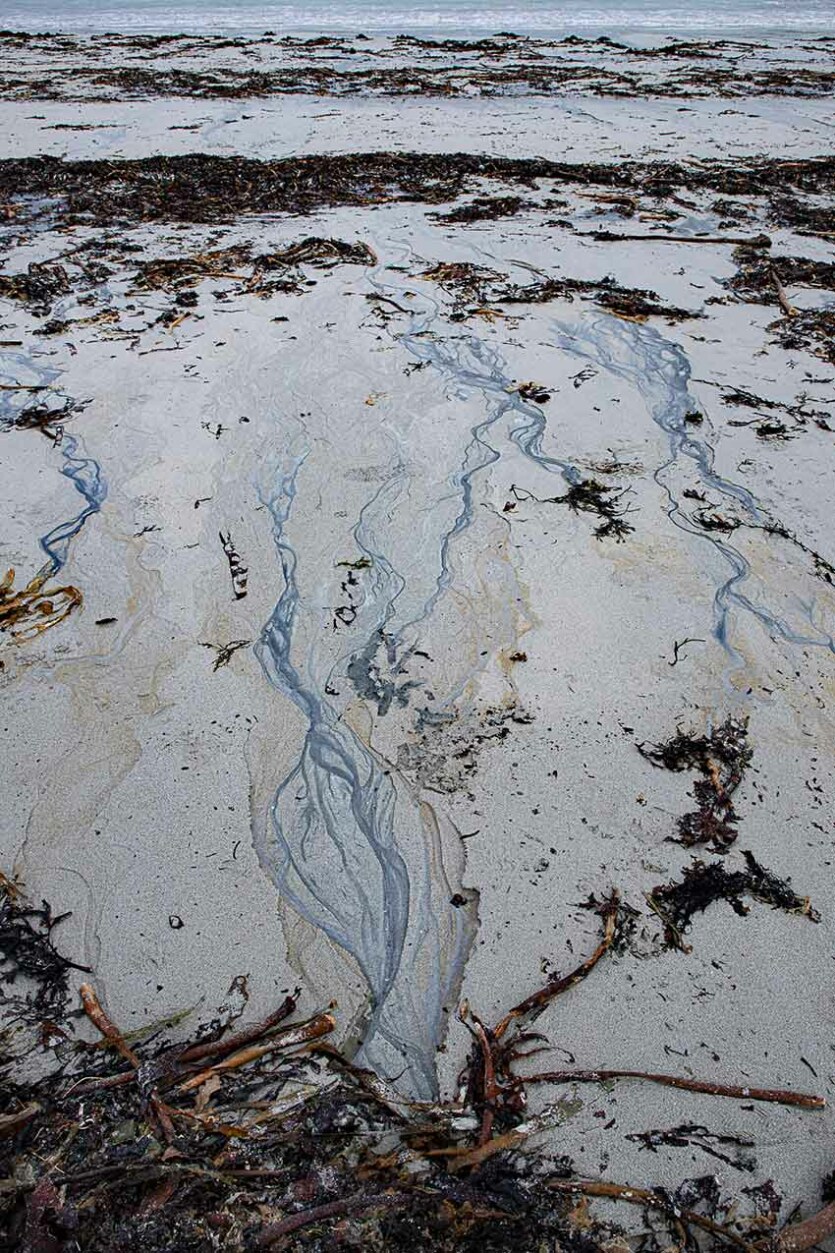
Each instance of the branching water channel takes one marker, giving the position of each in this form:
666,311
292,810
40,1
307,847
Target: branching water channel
351,845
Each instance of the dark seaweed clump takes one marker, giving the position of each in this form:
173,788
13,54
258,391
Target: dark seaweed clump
702,884
33,974
721,758
269,1137
627,302
38,287
810,330
592,496
588,496
763,280
485,209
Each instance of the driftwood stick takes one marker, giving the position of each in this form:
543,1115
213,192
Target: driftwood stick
755,241
357,1204
323,1024
100,1020
246,1036
195,1053
776,1096
641,1196
609,913
463,1158
10,1124
799,1236
489,1087
785,304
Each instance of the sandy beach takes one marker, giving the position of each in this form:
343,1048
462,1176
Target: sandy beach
417,466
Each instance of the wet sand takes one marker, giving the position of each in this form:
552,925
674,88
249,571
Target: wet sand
389,563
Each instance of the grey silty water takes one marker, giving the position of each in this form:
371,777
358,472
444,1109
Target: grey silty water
335,841
468,365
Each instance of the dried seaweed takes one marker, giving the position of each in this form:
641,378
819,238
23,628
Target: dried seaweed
485,209
754,278
590,496
141,67
812,330
180,274
204,188
243,1140
38,287
237,570
465,281
626,302
225,652
30,610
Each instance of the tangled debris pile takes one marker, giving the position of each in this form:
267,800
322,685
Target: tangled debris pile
627,302
477,291
485,209
184,273
762,279
242,1140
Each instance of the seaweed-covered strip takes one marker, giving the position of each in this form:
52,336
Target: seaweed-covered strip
125,67
179,273
201,188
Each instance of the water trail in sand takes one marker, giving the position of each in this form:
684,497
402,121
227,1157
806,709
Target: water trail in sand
22,370
350,845
660,372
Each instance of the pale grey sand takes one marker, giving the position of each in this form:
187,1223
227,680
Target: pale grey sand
433,627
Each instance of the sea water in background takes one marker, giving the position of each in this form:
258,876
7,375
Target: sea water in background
450,17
